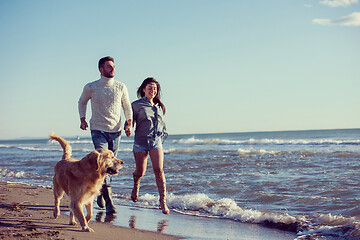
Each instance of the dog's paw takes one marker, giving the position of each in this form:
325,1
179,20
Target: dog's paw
88,229
72,222
56,215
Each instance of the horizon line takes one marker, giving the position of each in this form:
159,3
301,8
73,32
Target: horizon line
179,134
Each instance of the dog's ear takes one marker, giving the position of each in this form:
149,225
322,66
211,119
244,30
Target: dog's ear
95,160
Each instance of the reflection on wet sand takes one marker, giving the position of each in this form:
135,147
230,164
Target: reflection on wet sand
102,217
132,222
161,226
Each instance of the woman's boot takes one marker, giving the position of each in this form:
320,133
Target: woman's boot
161,184
135,191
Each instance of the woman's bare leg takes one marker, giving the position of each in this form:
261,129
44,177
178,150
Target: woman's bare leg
140,169
157,160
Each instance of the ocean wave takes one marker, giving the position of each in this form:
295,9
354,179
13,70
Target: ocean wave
256,151
28,178
306,227
80,141
215,141
6,173
348,154
202,205
42,149
266,141
327,226
304,141
30,148
251,151
89,141
301,154
182,151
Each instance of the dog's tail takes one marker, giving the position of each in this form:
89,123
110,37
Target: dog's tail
65,146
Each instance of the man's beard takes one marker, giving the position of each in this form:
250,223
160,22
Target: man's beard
109,75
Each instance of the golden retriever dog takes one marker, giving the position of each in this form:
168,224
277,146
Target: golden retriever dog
81,180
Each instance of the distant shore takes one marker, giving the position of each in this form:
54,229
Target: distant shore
26,213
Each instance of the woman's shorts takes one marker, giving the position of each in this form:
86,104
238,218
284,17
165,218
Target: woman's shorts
147,145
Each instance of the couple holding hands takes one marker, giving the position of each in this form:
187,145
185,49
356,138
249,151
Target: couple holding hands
108,97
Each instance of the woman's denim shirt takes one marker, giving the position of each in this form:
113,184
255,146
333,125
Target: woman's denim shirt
149,121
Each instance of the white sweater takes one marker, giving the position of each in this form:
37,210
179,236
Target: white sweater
107,96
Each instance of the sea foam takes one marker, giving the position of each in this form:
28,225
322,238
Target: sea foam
253,141
13,174
306,227
202,205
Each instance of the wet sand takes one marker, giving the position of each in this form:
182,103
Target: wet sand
26,213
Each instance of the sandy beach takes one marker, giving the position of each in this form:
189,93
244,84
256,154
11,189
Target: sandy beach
26,213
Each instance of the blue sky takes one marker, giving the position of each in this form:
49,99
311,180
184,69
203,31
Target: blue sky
224,66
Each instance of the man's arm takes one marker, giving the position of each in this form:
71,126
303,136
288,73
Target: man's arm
82,104
125,102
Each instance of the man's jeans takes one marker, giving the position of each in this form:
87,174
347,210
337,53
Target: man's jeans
108,141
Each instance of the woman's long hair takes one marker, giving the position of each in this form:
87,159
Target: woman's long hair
140,92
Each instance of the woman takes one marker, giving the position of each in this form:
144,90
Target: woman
150,133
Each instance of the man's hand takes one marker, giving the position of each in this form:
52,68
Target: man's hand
128,128
83,124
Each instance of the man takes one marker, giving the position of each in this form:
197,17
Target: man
108,97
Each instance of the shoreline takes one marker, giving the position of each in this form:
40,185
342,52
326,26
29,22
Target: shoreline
26,212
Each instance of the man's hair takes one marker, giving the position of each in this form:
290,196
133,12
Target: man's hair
103,60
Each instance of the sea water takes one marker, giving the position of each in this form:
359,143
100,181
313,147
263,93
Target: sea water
305,182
